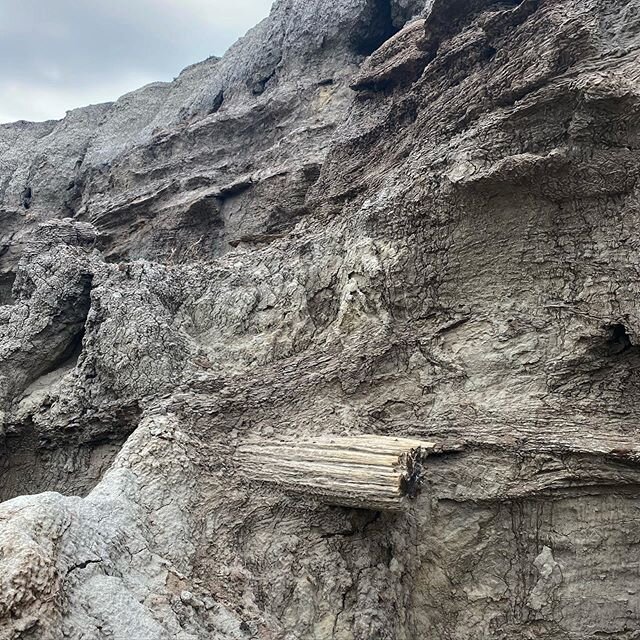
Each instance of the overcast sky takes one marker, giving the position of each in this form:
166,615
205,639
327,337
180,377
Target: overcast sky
56,55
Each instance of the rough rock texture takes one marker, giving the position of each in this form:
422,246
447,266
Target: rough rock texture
355,222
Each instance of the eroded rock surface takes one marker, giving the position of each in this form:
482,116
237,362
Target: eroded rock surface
380,217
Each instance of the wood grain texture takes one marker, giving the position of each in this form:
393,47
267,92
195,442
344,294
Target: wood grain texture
368,472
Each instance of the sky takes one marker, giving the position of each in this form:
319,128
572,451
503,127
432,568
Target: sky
57,55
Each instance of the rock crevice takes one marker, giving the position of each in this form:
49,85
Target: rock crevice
397,219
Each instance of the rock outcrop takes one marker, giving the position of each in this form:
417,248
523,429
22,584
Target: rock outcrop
385,217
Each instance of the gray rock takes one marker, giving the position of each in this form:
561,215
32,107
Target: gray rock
446,251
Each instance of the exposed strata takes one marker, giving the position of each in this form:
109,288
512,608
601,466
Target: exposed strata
353,223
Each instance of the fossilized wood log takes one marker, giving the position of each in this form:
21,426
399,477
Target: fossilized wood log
368,472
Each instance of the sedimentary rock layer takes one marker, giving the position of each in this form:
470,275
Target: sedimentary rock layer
387,218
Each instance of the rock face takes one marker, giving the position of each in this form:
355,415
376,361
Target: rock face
377,217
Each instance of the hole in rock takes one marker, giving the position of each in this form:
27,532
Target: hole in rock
73,466
71,470
27,197
70,356
60,345
217,102
6,286
375,27
618,339
75,313
488,52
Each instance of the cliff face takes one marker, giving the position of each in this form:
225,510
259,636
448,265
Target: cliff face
369,217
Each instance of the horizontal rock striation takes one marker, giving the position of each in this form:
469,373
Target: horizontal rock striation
381,218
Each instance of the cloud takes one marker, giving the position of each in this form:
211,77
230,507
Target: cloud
25,101
59,55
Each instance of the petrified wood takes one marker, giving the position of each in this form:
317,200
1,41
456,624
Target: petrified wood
368,472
